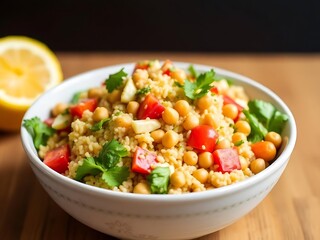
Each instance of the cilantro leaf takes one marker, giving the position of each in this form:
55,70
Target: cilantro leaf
115,176
89,166
98,126
193,72
105,163
115,80
143,91
263,117
258,131
39,131
75,98
278,121
159,180
200,87
111,154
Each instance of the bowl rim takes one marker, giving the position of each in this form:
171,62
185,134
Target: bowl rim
213,193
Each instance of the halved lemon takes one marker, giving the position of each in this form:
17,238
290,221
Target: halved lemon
27,69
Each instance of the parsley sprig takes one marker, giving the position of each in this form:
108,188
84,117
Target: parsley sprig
115,80
200,86
106,164
39,131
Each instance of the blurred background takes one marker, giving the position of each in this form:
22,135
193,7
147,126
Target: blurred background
194,26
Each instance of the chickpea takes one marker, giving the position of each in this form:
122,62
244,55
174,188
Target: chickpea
210,119
179,75
170,139
142,188
170,116
201,175
238,137
182,107
190,122
140,74
205,102
100,113
133,107
124,121
265,150
59,108
157,135
114,96
257,165
205,160
178,179
95,93
190,158
230,110
275,138
243,127
223,143
243,162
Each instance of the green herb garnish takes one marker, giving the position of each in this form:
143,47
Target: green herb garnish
143,91
105,164
98,126
75,98
263,117
159,180
115,80
200,86
239,143
193,72
39,131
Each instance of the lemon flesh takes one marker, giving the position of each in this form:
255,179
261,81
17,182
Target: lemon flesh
27,69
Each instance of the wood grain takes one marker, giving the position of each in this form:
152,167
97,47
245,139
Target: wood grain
290,211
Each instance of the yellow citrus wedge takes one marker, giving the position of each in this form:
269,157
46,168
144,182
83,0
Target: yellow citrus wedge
27,69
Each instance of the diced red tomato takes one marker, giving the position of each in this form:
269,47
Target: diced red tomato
150,107
49,121
85,104
227,100
58,158
167,72
143,160
214,90
141,65
227,159
203,138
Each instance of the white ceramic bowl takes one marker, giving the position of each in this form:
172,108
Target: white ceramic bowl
134,216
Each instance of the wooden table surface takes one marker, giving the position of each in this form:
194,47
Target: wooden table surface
290,211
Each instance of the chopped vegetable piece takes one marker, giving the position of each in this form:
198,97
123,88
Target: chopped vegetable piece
203,138
58,158
159,180
214,90
227,160
150,107
167,72
200,86
85,104
265,150
143,160
144,126
39,131
62,121
142,65
115,80
129,91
